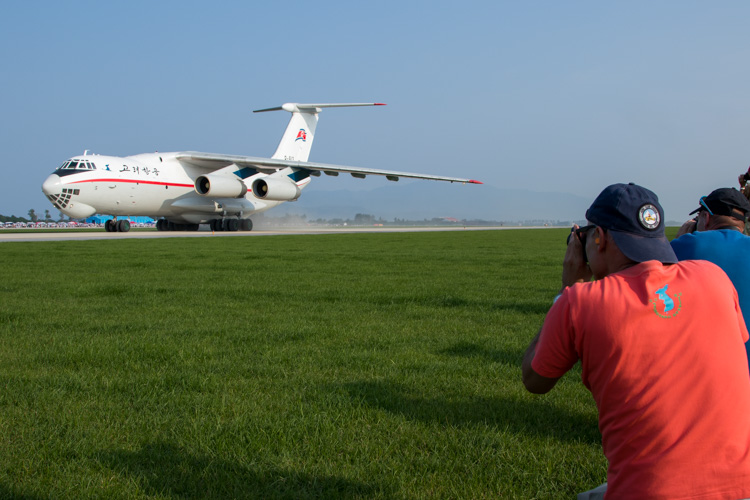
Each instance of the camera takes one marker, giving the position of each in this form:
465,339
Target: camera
581,235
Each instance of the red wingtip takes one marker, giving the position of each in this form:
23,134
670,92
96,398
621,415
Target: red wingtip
380,104
475,182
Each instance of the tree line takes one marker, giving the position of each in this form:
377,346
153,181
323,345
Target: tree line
33,217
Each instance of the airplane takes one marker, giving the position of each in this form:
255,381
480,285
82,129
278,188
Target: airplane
185,189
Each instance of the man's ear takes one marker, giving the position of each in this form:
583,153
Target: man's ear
600,239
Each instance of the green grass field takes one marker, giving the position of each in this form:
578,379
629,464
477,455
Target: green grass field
326,366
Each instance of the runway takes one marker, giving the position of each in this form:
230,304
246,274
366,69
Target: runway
74,235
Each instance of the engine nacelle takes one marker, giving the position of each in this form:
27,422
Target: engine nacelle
220,186
276,189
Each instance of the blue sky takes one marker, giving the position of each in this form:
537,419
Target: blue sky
541,95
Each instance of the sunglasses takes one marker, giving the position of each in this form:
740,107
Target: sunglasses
704,205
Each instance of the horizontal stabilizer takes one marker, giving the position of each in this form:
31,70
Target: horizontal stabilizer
314,108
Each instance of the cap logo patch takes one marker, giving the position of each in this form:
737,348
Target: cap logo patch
648,217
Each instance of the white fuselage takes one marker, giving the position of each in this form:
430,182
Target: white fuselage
150,184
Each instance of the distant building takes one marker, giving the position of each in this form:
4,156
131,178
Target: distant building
101,219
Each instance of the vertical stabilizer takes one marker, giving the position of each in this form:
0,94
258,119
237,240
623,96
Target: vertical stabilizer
297,140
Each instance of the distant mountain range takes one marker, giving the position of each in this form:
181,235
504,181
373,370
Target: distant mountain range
428,200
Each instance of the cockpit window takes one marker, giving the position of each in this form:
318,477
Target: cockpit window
77,165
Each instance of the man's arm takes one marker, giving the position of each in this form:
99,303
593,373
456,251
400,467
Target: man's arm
690,226
575,270
534,382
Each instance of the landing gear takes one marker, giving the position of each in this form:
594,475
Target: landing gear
165,225
117,226
231,225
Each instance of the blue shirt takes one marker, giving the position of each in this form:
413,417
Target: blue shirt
728,249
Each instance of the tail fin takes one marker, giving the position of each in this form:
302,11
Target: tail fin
297,140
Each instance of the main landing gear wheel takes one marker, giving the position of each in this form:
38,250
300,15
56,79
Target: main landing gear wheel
231,225
165,225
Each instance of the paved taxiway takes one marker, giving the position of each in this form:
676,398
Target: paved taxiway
66,235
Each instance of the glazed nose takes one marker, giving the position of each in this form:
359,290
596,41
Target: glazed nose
51,185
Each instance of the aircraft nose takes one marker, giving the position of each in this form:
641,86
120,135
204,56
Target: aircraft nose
51,185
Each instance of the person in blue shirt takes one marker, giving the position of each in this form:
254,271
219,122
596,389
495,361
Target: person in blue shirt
716,235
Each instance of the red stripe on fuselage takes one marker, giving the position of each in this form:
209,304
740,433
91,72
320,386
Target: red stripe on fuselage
134,181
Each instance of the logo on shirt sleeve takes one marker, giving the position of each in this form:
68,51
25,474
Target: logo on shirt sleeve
665,306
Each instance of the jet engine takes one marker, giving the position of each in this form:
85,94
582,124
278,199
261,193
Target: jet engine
220,186
276,189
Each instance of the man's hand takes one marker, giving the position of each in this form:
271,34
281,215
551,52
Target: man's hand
688,227
575,269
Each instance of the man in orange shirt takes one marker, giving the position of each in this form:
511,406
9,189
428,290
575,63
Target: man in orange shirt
661,349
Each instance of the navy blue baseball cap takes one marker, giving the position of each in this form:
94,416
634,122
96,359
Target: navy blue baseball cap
636,220
725,201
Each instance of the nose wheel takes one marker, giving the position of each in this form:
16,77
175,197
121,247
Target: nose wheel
117,226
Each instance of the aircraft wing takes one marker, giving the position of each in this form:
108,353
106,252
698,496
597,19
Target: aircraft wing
269,165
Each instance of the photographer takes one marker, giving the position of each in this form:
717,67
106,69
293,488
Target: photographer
745,189
743,182
660,345
716,236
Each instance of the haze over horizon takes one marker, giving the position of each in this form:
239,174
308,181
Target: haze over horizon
543,97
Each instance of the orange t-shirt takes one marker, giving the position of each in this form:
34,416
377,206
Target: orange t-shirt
662,352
